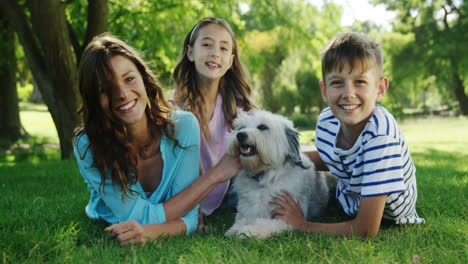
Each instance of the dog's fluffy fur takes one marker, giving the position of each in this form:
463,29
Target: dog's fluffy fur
268,147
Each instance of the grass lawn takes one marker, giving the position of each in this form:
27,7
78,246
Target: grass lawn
42,215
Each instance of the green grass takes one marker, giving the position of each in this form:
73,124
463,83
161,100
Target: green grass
42,215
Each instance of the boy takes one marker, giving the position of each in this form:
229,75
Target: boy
359,142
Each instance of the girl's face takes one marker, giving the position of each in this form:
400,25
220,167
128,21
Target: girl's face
129,101
212,52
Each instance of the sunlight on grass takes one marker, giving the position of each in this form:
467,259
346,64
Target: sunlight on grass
38,122
445,134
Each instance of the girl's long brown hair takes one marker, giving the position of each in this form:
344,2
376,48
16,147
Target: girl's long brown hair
108,137
234,86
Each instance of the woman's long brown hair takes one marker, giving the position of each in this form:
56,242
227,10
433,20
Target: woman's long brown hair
107,136
234,86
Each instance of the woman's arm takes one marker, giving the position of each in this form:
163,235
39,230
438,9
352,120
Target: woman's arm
132,232
365,224
133,206
183,203
124,208
189,197
188,189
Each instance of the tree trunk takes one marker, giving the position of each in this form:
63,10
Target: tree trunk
98,12
460,94
17,17
10,124
36,96
50,25
49,55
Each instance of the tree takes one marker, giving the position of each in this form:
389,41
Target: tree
440,42
284,51
47,39
10,124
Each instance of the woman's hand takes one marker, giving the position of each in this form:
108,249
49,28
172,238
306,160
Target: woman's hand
226,168
289,211
128,233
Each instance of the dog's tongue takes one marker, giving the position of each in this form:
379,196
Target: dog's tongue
245,150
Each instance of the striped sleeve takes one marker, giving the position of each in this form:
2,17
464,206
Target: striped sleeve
382,168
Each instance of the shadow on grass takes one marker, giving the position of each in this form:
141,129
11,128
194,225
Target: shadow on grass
31,149
433,164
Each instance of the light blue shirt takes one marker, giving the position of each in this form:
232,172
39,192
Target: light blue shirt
179,171
379,163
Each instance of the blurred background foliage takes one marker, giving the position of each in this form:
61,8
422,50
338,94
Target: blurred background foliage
280,42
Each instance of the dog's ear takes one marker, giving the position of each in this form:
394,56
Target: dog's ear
294,154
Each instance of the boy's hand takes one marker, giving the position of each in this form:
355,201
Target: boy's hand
289,211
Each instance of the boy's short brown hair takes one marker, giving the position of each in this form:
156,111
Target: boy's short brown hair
351,47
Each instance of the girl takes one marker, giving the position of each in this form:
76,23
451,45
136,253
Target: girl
134,151
213,84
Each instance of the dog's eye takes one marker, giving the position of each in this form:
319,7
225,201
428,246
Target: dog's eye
262,127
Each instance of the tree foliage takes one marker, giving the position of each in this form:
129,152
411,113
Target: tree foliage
439,41
279,41
282,45
158,28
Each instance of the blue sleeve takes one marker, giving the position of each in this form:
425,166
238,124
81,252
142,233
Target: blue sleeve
181,166
187,160
109,204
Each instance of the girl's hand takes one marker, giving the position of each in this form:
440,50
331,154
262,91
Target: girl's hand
128,233
226,168
289,211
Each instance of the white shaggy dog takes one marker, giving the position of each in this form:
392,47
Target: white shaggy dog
268,147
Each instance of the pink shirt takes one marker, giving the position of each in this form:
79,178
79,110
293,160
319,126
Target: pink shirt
211,152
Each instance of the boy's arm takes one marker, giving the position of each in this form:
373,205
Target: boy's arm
365,224
315,158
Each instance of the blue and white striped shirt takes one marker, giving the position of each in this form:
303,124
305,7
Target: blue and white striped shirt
379,163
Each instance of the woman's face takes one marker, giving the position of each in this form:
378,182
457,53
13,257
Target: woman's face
129,101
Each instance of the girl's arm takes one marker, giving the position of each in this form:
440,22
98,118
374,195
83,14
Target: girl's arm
315,158
365,224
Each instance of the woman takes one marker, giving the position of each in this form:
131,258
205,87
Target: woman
136,153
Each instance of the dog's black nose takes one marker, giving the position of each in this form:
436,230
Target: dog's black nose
241,137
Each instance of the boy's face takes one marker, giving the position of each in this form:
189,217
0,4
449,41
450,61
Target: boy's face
352,94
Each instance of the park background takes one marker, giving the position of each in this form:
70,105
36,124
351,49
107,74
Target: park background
425,46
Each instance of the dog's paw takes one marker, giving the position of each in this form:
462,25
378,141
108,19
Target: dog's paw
239,230
230,232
